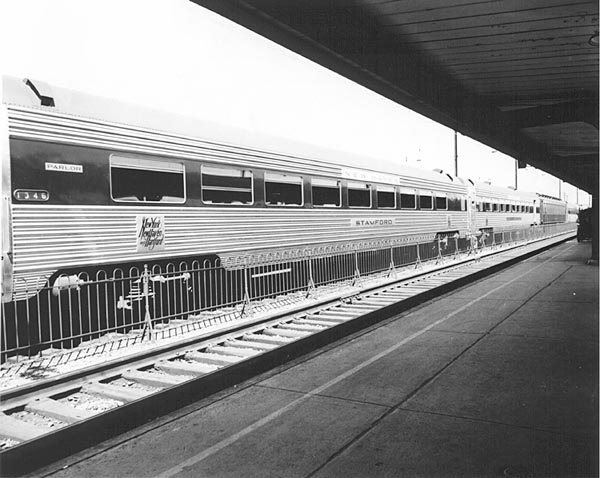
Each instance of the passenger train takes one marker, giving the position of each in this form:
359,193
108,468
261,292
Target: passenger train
92,188
87,183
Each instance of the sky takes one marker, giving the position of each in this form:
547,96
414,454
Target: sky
177,56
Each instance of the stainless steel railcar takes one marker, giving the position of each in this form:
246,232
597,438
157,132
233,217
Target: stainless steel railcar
89,182
91,188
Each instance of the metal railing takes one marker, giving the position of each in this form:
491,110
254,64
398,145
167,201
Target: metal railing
126,306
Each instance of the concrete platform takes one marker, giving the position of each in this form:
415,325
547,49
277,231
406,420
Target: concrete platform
499,378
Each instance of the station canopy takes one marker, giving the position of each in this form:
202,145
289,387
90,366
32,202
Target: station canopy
519,76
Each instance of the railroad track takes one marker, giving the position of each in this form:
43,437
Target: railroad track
42,424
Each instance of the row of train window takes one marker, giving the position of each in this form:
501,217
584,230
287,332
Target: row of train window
142,180
493,206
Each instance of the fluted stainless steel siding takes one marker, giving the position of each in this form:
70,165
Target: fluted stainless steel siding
499,220
53,237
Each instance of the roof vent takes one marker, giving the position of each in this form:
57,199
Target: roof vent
45,100
441,171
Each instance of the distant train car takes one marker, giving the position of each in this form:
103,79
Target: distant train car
572,212
501,208
89,183
552,210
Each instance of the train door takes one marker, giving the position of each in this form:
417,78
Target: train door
471,210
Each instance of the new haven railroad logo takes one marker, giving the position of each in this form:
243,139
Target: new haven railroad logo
373,222
150,233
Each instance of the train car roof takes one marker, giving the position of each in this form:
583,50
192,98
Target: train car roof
494,191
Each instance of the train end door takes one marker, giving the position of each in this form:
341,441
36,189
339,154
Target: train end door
471,210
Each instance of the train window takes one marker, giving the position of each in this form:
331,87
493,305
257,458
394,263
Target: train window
146,180
441,201
531,209
221,185
479,206
359,194
453,202
408,199
386,197
487,206
326,192
495,206
283,190
425,200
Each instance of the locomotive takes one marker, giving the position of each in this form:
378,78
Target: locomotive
91,184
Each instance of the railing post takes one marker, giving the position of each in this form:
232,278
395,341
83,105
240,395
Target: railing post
392,268
471,245
246,305
311,282
456,246
439,258
482,243
356,278
146,294
418,261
